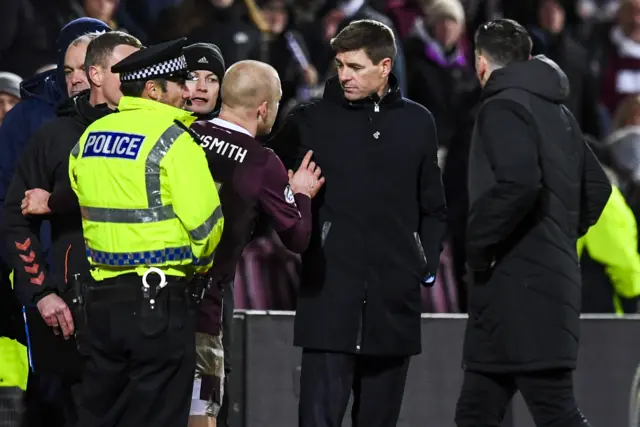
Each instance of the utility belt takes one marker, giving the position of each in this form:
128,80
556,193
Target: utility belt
154,291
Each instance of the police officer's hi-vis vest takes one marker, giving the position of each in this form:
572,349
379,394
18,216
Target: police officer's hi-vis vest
145,192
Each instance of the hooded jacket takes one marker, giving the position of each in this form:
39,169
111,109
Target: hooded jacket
45,164
534,189
40,96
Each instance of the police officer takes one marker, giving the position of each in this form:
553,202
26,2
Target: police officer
135,173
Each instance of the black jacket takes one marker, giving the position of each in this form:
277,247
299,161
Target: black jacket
573,59
360,284
45,164
534,188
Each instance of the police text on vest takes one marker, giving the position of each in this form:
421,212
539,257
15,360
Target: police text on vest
113,144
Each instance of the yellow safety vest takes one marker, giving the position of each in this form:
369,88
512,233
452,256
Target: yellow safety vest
613,242
14,361
145,192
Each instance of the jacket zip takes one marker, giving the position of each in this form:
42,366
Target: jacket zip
361,327
376,109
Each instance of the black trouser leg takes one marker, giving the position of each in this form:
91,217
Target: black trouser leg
484,399
133,377
228,305
325,386
549,396
378,390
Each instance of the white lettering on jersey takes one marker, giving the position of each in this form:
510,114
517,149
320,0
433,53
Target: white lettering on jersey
223,148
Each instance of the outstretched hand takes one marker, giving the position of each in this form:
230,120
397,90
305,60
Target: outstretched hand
306,180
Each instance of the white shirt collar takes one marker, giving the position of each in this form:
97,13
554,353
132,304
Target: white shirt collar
232,126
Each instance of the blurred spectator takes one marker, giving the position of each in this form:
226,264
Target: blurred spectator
9,92
288,54
103,10
617,56
481,11
438,73
404,13
28,32
142,14
224,23
624,150
551,38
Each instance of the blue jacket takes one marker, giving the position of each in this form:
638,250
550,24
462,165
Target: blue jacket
40,96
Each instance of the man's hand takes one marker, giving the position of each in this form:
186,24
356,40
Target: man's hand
36,202
306,180
56,314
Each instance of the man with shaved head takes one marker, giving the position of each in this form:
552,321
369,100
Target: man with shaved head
253,184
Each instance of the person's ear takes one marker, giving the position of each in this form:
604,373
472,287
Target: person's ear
386,65
153,90
95,76
263,111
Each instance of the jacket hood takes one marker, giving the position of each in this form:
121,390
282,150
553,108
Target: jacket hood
81,110
68,34
43,86
333,92
539,76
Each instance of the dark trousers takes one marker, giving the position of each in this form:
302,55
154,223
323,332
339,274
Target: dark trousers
228,304
327,380
140,364
484,398
50,400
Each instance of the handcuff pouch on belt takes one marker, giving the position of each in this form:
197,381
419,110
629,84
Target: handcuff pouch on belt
154,313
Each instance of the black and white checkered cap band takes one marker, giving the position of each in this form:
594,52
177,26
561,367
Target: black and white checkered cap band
157,70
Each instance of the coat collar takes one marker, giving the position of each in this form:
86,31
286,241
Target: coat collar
334,94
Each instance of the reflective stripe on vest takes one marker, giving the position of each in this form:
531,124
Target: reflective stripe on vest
202,231
139,216
122,259
156,211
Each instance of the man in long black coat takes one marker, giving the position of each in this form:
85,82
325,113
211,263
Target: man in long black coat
534,189
378,226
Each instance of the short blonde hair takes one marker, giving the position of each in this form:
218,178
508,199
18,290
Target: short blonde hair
443,9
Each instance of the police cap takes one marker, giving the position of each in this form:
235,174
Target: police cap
205,56
164,60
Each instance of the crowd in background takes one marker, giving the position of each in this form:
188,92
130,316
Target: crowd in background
595,42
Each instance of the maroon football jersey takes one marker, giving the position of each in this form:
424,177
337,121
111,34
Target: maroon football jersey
252,181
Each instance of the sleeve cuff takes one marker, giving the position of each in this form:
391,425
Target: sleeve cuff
303,202
41,295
